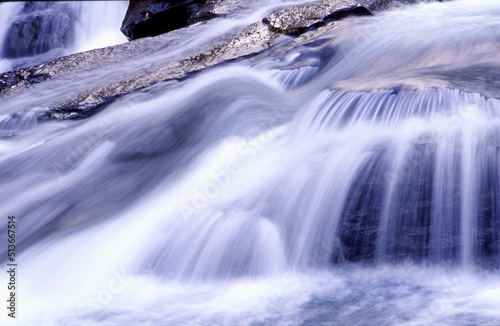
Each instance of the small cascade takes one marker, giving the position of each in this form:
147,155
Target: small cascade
40,31
352,179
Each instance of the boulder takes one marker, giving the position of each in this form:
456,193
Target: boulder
40,28
296,20
216,8
154,17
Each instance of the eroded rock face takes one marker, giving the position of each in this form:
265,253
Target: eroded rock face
154,17
40,28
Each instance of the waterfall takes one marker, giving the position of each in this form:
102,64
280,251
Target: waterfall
8,13
74,27
351,179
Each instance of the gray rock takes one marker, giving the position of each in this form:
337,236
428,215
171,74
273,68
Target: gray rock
89,100
252,39
216,8
297,19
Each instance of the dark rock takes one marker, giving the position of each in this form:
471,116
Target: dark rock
488,222
359,227
40,28
154,17
411,216
24,76
32,6
77,111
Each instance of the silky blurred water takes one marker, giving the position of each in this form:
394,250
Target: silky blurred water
95,24
297,188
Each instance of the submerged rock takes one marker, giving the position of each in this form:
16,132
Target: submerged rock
40,28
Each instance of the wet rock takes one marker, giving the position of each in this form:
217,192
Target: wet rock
374,5
482,78
297,19
359,228
92,99
40,28
216,8
250,40
153,17
87,100
23,77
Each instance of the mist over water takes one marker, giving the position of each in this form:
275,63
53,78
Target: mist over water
296,188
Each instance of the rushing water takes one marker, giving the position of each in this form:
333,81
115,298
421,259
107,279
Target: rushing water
90,24
299,188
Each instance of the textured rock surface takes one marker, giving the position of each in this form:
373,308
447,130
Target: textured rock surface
216,8
251,40
297,19
155,17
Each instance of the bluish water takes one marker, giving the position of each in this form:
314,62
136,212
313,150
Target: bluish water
339,183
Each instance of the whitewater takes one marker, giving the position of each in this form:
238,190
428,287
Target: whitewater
337,182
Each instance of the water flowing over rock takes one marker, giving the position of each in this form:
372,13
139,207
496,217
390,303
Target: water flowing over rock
155,17
250,40
42,26
296,20
247,41
216,8
232,173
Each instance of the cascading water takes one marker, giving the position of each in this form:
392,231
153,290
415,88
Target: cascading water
73,26
8,13
244,195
